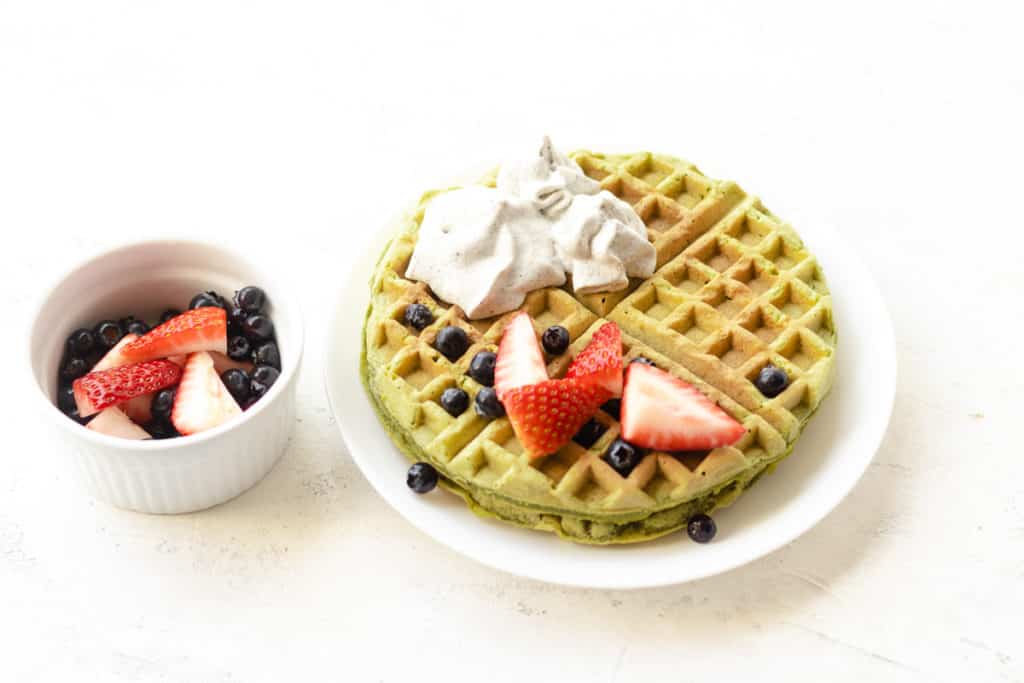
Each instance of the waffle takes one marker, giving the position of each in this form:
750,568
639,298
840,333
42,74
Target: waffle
734,290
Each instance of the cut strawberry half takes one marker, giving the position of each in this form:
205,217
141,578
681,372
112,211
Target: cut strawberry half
520,361
200,329
222,363
99,390
202,401
663,412
601,360
113,422
115,356
546,415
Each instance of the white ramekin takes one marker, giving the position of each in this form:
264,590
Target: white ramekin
174,475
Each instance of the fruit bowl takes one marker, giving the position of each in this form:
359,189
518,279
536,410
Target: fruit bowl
175,475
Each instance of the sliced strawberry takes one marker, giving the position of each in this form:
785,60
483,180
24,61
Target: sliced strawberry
520,361
200,329
114,357
548,414
113,422
99,390
202,401
601,360
665,413
138,409
222,363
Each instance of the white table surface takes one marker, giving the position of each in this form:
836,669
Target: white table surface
294,129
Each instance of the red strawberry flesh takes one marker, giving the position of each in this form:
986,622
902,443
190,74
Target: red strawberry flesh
520,361
200,329
601,360
99,390
546,415
663,412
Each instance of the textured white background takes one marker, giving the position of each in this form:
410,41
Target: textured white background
291,129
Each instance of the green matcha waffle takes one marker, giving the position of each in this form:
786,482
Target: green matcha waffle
734,291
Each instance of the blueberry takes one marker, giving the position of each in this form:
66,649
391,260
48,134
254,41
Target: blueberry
422,477
771,381
237,382
239,348
250,402
263,377
455,401
418,316
589,433
108,333
161,429
73,368
623,457
481,368
207,299
66,400
701,528
81,343
163,404
452,342
267,354
643,360
487,403
258,327
612,407
236,320
134,326
168,314
555,340
250,299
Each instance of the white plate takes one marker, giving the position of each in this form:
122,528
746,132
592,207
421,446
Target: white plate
829,458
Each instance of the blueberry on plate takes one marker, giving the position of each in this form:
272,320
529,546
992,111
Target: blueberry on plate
589,433
418,316
623,457
66,399
258,327
108,333
207,299
452,342
555,340
267,354
481,368
422,477
168,314
238,383
81,343
163,403
263,377
133,326
644,360
701,528
612,406
771,381
239,348
487,403
250,299
454,401
72,369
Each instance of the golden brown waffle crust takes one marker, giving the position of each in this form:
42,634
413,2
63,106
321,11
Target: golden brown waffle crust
734,290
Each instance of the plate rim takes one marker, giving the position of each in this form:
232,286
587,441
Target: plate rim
359,279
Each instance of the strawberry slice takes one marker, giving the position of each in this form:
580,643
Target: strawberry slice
665,413
99,390
115,356
546,415
222,363
113,422
601,360
202,401
200,329
520,361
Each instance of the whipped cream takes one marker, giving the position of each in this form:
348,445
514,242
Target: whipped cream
485,249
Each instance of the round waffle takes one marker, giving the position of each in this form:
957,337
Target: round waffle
734,290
